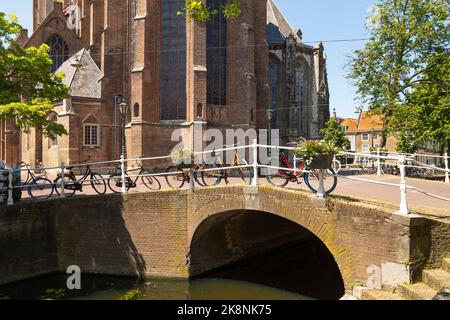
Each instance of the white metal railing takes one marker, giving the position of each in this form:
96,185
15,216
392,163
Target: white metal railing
121,164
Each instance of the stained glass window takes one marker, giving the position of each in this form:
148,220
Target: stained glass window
173,61
301,97
216,57
300,81
59,51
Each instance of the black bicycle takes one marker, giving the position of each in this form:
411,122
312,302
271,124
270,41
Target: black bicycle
149,181
38,187
72,184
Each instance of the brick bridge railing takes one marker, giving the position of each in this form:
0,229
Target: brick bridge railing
154,233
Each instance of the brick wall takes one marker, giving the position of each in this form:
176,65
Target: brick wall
27,241
155,234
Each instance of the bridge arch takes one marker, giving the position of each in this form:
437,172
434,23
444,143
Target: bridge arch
267,249
302,211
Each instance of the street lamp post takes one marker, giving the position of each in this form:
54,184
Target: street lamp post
270,117
123,109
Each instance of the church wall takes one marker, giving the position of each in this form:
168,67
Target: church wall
124,39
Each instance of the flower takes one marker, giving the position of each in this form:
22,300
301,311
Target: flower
310,149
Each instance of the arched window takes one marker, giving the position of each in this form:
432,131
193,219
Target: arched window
59,51
173,61
274,81
301,97
300,84
216,56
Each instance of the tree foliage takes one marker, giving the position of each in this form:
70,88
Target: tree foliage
406,36
28,88
197,10
334,135
425,117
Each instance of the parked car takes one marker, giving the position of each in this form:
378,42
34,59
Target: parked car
4,183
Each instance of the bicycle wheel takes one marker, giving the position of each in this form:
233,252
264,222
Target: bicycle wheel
40,188
277,178
150,182
98,183
329,180
115,183
211,178
177,179
69,186
246,175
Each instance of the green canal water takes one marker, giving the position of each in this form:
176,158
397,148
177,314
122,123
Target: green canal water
116,288
302,271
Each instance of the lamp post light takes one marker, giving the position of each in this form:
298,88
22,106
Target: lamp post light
123,109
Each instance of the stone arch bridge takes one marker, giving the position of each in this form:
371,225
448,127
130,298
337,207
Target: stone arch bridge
184,234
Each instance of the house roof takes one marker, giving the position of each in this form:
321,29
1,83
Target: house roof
278,28
368,122
82,75
351,124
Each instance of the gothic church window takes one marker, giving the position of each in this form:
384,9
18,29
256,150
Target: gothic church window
59,51
173,61
300,80
301,96
216,56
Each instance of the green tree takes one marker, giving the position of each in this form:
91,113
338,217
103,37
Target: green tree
405,34
426,115
334,135
198,11
28,88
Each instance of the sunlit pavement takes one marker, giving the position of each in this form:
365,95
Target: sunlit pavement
346,187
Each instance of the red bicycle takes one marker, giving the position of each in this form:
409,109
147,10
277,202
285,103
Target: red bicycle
281,178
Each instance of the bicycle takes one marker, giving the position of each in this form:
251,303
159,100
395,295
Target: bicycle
38,187
214,178
72,184
115,179
281,178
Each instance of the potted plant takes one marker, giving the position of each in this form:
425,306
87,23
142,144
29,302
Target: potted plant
183,157
317,154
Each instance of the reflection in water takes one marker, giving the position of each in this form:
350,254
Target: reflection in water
117,288
281,275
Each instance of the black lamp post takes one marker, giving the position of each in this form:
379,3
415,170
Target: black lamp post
270,117
123,109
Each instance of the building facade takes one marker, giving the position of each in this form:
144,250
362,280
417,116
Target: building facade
173,73
365,133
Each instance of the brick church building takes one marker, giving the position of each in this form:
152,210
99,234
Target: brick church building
172,73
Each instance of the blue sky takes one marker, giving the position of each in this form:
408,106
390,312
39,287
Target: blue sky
319,20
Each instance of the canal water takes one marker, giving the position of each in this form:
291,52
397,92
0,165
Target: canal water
281,275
